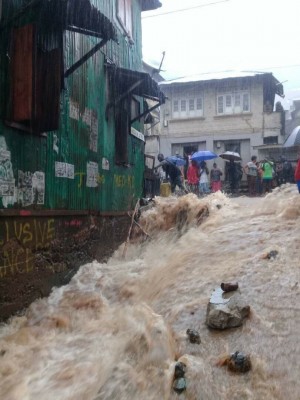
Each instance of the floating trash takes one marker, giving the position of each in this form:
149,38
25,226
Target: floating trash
229,287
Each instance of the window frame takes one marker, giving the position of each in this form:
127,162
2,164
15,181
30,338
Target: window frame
181,107
240,102
41,80
125,17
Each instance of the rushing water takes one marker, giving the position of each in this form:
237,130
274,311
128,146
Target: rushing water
116,330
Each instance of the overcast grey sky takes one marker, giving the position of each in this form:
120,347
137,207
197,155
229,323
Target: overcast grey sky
261,35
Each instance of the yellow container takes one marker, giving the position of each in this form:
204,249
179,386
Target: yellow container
165,189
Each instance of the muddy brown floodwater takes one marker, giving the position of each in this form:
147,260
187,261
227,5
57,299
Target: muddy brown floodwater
116,331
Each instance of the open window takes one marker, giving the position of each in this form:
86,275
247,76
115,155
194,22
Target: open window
36,70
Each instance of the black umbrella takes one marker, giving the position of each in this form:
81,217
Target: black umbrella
230,155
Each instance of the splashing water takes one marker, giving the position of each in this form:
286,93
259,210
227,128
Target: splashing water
116,330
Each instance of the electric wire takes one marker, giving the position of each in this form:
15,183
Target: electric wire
185,9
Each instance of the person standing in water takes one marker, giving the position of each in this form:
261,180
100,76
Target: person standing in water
267,167
172,172
251,172
215,178
193,177
203,183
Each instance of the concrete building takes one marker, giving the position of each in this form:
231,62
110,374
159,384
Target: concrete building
229,111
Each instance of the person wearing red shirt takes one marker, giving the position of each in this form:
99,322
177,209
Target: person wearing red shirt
193,177
297,173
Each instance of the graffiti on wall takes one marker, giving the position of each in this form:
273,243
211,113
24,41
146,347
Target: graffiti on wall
122,181
19,240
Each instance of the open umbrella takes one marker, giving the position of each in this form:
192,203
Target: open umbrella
230,155
203,155
294,138
176,160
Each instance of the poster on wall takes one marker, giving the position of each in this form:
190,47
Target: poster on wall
25,189
7,181
38,186
64,170
92,174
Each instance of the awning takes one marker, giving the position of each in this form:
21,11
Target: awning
134,82
126,82
77,15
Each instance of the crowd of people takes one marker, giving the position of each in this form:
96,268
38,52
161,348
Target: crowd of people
198,179
262,176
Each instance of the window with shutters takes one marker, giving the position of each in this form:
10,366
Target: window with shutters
189,107
35,82
124,14
233,103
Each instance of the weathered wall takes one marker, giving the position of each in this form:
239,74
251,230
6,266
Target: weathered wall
74,167
39,252
63,199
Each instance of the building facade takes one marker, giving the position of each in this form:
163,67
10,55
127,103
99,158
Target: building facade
231,111
72,92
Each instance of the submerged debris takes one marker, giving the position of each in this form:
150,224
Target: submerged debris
229,287
226,310
236,362
179,384
194,336
272,254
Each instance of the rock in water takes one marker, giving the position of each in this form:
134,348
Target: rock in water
226,310
179,385
180,369
239,362
193,336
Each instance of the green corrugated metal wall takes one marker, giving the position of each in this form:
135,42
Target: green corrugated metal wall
117,187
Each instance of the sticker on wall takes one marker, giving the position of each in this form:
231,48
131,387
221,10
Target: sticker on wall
64,170
7,181
92,174
105,164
